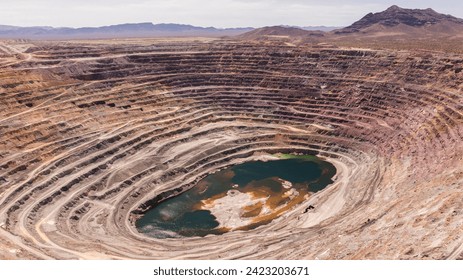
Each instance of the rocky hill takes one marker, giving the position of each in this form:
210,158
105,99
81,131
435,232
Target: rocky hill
279,31
406,21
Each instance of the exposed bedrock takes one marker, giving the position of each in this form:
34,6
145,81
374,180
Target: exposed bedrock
91,134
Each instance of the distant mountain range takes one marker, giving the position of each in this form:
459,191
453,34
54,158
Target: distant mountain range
314,28
394,21
125,31
117,31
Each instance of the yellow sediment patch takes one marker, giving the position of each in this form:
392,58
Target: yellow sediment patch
252,210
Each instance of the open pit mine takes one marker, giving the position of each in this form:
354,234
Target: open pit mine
96,135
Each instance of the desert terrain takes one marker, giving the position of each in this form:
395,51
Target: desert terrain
93,133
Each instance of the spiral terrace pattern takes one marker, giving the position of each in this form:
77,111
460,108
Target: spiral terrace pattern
93,133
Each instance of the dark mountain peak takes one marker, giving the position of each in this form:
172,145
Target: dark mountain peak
395,16
393,8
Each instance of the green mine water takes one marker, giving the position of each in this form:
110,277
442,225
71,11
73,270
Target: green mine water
265,183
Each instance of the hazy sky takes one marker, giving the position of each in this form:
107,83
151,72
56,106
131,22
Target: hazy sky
218,13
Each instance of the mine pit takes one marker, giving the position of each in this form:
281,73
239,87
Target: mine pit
240,197
121,130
